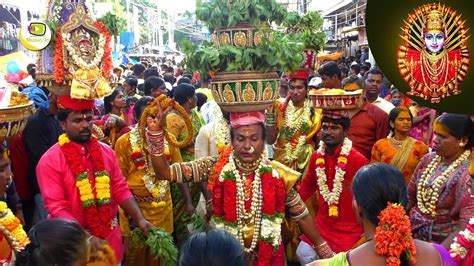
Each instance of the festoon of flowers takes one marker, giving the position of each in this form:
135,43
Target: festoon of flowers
222,133
292,125
96,207
266,208
11,228
463,242
332,197
157,188
427,193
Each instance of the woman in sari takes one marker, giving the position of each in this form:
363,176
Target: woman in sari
115,119
185,198
380,208
156,207
399,149
423,118
441,202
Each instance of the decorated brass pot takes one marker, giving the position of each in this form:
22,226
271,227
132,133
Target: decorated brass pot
240,36
245,91
13,119
327,99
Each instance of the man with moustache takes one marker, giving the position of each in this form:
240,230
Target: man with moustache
330,172
80,178
372,89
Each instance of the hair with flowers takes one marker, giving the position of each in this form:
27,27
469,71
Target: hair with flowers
383,203
393,236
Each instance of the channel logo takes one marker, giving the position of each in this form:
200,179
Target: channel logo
37,28
35,35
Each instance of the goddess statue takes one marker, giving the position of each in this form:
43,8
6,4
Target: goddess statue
434,58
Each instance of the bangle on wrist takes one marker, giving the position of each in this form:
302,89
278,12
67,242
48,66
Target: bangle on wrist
324,251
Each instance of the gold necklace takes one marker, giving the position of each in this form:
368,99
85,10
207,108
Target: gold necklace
433,71
395,142
247,168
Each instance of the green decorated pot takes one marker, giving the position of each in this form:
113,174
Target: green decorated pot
240,36
13,119
245,91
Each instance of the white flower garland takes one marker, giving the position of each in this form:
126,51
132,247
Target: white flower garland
293,122
293,153
458,250
56,14
157,188
78,60
222,132
332,197
263,227
427,195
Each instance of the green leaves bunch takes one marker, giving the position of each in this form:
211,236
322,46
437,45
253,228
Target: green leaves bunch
228,13
160,243
279,52
306,28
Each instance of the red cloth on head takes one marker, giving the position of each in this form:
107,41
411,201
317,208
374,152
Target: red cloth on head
299,74
336,114
66,102
246,119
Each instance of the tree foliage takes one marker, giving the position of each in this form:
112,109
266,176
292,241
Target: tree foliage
113,23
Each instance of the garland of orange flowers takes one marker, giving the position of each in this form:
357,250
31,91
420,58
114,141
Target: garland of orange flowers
59,58
107,60
96,207
11,228
393,236
105,255
167,104
217,169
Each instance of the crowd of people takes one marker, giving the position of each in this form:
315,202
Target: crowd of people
388,182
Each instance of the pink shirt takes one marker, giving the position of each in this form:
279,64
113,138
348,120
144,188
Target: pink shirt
61,196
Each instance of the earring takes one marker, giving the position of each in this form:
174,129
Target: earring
462,144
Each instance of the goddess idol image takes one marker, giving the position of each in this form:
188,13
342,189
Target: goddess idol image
434,58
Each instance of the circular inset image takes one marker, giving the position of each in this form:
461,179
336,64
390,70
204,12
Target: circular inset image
434,58
35,35
424,50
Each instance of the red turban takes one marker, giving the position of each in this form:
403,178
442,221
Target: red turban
299,74
66,102
246,119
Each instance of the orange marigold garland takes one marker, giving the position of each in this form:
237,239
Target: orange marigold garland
95,199
393,236
105,255
217,169
107,60
167,104
59,58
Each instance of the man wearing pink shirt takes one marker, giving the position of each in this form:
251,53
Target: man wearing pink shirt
57,180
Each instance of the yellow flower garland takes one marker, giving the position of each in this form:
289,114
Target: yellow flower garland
167,104
12,229
157,188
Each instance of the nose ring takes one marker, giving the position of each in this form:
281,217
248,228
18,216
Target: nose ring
251,150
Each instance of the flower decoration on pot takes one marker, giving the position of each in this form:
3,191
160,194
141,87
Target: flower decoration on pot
78,62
